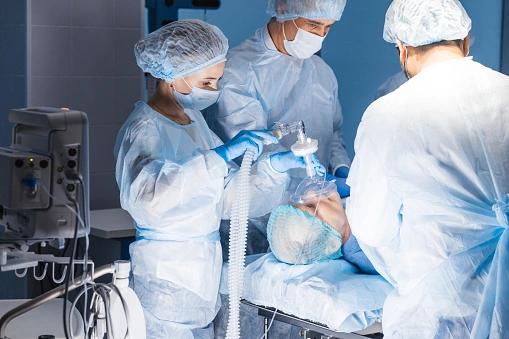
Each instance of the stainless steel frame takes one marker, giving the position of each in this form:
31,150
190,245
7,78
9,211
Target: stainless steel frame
311,329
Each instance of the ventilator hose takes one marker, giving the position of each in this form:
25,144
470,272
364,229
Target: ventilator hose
237,245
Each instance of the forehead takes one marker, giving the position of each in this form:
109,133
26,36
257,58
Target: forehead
321,22
212,72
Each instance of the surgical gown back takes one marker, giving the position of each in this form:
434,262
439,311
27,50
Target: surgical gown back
177,189
429,201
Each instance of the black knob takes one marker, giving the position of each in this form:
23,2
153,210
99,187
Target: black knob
19,163
43,163
72,152
71,164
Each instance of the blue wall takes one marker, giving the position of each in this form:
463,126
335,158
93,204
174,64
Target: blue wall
355,49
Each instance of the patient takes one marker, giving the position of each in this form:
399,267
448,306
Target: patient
316,232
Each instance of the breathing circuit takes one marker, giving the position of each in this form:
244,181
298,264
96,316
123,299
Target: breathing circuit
310,187
304,147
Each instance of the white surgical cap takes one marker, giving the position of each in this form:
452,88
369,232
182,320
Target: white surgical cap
181,48
296,237
310,9
422,22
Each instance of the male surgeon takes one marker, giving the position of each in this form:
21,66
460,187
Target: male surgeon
275,76
430,181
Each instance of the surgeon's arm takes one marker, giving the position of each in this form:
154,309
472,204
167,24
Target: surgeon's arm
159,190
373,207
239,106
339,155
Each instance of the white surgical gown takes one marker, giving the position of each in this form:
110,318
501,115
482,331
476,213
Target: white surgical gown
428,205
261,86
177,189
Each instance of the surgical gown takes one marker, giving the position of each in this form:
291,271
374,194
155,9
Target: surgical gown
429,201
176,189
261,86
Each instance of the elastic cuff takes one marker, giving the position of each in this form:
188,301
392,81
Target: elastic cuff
222,152
338,166
265,157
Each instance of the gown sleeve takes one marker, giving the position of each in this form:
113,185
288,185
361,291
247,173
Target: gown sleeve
157,187
339,155
373,209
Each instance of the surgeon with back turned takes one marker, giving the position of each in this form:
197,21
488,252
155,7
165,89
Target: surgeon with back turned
176,179
430,181
274,76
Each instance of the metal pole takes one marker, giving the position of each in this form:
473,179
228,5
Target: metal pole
50,295
266,328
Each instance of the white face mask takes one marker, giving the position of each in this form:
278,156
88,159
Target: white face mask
198,99
304,45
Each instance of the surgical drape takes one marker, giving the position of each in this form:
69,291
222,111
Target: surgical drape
176,189
431,167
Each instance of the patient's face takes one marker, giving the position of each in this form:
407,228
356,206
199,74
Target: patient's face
308,234
330,211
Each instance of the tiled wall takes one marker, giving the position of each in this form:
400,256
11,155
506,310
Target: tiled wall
81,57
12,62
76,54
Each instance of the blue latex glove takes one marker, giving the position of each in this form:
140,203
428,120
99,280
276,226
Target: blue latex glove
342,172
243,141
284,161
353,253
343,188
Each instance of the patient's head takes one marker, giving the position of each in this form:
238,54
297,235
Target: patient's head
310,233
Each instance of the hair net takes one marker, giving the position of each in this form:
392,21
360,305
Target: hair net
309,9
422,22
181,48
296,237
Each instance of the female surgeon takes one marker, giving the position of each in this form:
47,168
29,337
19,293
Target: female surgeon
176,177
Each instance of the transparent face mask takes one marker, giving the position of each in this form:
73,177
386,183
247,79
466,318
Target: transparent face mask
312,189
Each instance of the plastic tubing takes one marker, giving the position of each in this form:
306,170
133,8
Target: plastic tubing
237,245
310,170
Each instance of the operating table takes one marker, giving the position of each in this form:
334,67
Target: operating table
325,300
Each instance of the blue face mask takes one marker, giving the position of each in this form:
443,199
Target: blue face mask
198,99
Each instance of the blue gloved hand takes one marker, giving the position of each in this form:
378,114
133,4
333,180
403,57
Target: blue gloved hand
284,161
343,188
342,172
243,141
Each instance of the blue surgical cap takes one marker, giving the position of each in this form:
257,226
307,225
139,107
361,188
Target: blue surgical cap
422,22
296,237
310,9
181,48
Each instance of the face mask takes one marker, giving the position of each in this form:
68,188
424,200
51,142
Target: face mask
304,45
198,99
